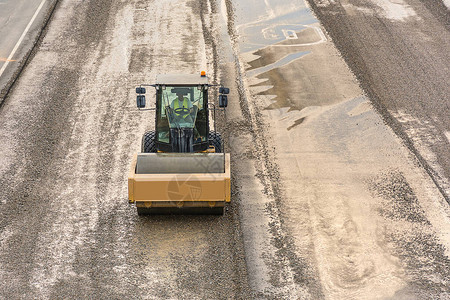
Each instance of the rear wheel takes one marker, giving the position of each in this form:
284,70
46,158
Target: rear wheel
148,142
215,139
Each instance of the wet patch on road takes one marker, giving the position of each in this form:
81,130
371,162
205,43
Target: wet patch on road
296,123
280,63
276,270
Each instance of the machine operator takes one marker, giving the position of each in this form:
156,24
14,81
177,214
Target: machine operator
179,103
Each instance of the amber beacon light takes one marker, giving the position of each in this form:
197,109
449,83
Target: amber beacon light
203,74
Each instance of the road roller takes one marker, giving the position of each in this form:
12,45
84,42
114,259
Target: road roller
182,167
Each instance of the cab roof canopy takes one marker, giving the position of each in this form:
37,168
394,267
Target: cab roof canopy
181,79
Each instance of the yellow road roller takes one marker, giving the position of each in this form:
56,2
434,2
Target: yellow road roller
182,167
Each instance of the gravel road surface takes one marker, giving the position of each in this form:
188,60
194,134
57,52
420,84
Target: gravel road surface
68,132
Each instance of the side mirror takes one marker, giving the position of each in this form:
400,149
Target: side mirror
223,101
140,90
140,101
224,90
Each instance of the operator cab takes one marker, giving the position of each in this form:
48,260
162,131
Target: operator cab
182,114
182,124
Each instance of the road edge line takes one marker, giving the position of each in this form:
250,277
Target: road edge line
26,58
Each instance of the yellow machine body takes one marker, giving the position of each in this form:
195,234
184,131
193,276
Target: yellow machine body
179,183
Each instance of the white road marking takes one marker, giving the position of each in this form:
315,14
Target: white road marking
318,30
21,38
270,34
290,34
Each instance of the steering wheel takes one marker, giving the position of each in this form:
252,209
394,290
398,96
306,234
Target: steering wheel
181,111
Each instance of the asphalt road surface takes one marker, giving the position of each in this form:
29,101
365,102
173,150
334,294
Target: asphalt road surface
20,23
327,201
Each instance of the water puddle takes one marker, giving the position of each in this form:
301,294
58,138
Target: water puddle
264,23
282,62
274,34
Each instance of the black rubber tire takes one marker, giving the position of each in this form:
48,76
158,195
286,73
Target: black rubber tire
148,144
215,139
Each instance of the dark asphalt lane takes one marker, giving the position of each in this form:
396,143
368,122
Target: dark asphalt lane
15,16
400,55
